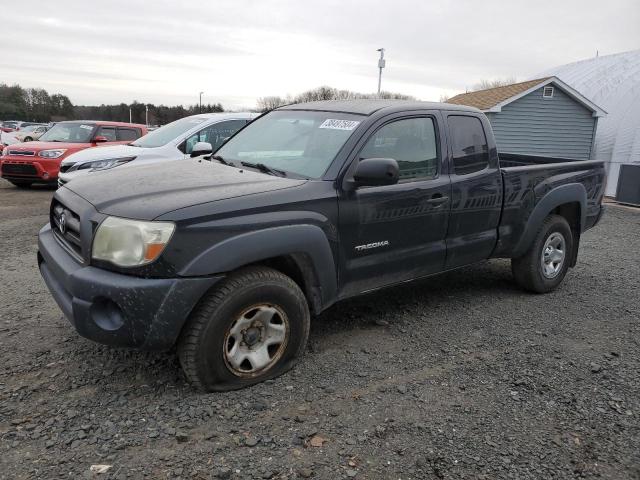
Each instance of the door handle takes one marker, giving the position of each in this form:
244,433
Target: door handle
437,199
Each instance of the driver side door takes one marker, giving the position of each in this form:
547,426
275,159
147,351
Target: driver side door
394,233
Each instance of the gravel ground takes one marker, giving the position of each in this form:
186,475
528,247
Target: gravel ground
460,376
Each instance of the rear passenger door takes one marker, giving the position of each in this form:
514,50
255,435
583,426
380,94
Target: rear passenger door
476,190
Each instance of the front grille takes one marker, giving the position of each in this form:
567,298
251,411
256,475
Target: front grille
65,224
22,153
19,169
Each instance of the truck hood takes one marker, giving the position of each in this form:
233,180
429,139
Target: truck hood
145,192
104,153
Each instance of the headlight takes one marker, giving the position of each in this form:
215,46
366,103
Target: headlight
129,243
57,153
101,164
5,151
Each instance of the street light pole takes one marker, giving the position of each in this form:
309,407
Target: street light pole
201,101
381,65
146,114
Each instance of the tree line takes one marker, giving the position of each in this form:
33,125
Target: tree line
37,105
264,104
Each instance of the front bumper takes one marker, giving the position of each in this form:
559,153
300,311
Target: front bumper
34,169
117,309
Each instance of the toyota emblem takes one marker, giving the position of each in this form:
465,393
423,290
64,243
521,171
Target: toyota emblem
62,222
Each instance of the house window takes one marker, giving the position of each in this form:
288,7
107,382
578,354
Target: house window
547,92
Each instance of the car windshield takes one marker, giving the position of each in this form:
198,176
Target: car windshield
29,128
301,142
168,132
69,132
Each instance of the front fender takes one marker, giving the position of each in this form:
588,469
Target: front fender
571,193
252,247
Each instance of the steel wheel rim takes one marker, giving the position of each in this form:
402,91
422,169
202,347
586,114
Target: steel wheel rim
256,340
553,255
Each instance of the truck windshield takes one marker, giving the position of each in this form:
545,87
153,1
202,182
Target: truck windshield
69,132
301,142
168,132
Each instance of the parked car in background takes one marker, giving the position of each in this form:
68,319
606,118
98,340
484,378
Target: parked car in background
173,141
9,126
39,161
31,132
308,205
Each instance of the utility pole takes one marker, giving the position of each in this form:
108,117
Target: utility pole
201,101
381,64
146,114
130,115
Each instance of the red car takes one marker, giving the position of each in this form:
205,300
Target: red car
39,162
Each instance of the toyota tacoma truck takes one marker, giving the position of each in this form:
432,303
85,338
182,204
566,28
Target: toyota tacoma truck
229,255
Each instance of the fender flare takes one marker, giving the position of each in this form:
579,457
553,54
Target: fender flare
571,193
252,247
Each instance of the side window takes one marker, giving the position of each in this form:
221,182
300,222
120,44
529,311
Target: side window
108,132
411,142
215,134
469,143
128,134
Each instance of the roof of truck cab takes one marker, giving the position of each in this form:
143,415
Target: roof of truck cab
371,106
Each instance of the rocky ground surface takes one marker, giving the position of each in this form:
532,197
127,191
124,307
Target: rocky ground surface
460,376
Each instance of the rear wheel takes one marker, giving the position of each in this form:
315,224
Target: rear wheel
28,139
22,183
250,328
543,267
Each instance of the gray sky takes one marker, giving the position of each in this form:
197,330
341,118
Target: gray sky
163,51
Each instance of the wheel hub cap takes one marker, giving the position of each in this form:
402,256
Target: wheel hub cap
251,336
553,255
256,340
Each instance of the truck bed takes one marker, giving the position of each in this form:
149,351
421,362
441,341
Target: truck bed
528,178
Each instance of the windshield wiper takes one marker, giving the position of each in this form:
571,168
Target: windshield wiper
221,160
265,169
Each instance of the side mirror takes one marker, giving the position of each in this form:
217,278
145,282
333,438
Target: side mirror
201,148
372,172
100,139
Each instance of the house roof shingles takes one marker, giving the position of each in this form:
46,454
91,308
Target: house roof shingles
486,99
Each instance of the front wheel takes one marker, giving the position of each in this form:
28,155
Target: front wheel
543,267
250,328
27,139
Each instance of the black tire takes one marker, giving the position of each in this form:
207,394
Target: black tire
21,183
28,139
201,347
528,270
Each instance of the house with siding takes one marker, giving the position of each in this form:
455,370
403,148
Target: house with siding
538,117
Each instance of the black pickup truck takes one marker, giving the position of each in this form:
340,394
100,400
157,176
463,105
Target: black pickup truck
228,255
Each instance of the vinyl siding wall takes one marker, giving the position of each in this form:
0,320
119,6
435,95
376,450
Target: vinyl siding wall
558,126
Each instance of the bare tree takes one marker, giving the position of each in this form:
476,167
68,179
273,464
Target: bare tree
444,98
264,104
487,84
323,93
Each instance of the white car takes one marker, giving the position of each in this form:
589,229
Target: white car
173,141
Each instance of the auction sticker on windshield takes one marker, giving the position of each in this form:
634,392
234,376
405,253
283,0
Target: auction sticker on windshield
87,127
339,124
